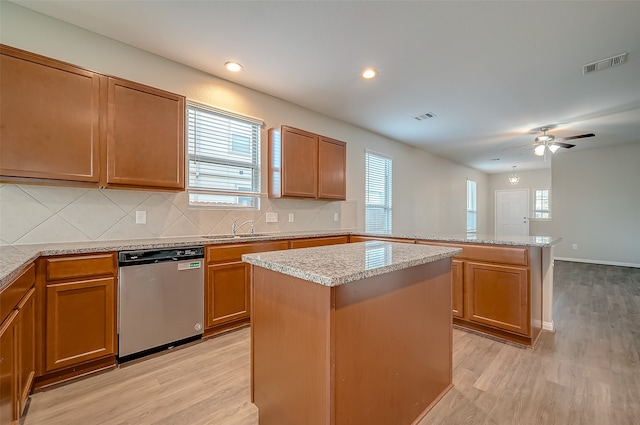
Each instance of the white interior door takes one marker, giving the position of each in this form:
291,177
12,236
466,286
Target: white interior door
512,212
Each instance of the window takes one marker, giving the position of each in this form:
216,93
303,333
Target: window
471,207
224,158
541,204
377,193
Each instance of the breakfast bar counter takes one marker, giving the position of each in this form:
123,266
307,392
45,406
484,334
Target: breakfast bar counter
350,334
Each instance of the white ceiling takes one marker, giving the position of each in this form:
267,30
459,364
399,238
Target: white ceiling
489,71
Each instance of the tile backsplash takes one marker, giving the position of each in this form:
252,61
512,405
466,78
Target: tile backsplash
42,214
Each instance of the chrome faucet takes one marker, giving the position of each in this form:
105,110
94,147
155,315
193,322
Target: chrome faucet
235,227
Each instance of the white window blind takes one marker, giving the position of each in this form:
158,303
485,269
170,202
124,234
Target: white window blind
541,203
378,185
471,206
224,158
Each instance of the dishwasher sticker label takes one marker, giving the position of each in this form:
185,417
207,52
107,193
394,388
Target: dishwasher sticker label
190,265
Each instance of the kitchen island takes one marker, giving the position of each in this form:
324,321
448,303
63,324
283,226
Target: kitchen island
355,333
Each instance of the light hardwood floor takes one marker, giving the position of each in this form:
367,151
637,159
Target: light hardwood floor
587,372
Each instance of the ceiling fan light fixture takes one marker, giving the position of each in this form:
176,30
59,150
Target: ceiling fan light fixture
545,138
554,148
539,150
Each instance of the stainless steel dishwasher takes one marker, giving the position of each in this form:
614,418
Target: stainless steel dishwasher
160,299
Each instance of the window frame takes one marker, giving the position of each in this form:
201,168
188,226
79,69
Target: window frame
386,206
472,206
237,199
535,211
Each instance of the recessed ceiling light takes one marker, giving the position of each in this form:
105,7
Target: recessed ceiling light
369,73
233,66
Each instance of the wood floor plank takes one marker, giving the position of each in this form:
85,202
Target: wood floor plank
587,372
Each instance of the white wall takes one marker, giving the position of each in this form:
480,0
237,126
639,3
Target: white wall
429,193
596,204
531,180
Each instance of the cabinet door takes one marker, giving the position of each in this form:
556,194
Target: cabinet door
50,114
145,139
80,322
497,296
26,347
457,288
8,369
332,169
227,292
299,163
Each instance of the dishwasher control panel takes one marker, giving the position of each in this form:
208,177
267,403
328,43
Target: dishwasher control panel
150,256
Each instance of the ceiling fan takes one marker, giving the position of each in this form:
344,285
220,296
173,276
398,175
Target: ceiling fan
549,142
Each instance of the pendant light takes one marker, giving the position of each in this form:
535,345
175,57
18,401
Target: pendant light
513,179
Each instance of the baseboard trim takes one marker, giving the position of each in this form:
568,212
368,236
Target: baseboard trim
605,263
548,326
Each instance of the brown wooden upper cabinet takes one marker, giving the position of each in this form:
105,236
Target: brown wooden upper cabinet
305,165
62,123
50,116
145,138
332,169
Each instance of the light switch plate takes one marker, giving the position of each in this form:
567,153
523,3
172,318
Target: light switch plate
141,217
335,217
291,218
271,217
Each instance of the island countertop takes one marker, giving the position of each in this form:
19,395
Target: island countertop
338,264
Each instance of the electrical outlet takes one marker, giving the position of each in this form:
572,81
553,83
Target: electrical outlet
271,217
336,217
574,246
291,218
141,217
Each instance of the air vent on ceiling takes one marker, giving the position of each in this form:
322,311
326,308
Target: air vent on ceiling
424,116
604,64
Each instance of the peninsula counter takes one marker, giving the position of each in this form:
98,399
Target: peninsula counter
350,334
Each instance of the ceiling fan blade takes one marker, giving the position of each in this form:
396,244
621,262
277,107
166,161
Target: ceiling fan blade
580,136
563,145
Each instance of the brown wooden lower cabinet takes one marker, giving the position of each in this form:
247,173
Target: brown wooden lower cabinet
8,369
27,347
497,290
80,322
498,296
227,284
78,316
17,345
228,297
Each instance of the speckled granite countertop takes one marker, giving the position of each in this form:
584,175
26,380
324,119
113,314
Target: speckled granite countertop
15,258
541,241
338,264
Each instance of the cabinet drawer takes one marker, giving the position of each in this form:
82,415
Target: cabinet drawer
223,253
59,268
332,240
488,253
14,291
354,239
